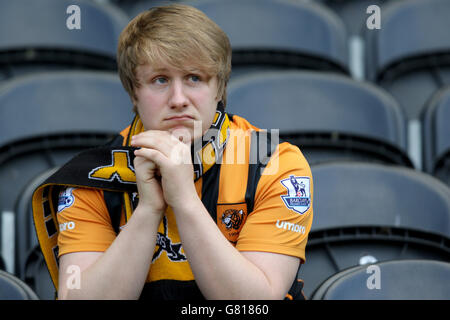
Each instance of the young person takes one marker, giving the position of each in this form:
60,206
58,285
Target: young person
185,203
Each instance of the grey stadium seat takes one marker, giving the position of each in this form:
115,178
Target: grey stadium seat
277,34
37,276
12,288
62,102
436,135
34,36
49,117
365,212
398,280
328,116
410,55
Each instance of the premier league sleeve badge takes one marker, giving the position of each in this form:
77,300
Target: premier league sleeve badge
299,193
66,199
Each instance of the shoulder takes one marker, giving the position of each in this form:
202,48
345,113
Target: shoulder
237,122
74,200
290,157
286,165
275,158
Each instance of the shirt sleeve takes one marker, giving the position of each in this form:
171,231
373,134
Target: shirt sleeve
84,222
283,207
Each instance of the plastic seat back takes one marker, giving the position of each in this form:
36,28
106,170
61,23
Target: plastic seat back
327,115
409,55
436,135
12,288
366,213
389,280
48,41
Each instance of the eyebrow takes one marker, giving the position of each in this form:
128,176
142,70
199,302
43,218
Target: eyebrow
164,69
159,70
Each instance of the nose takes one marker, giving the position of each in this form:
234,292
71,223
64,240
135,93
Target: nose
177,97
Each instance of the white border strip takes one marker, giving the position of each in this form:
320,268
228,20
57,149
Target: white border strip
8,239
356,57
415,143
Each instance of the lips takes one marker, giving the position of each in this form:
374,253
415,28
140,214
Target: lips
180,117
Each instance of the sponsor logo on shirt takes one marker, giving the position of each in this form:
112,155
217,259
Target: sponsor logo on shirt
66,199
298,198
290,226
66,226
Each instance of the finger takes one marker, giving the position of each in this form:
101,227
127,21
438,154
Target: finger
158,140
152,155
178,154
177,135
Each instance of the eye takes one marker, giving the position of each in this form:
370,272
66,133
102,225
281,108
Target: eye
159,80
194,78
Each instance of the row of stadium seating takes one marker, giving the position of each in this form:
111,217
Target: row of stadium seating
408,56
374,201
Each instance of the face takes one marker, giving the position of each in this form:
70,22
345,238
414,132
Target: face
173,100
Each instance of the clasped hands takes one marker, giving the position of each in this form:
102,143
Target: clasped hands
164,171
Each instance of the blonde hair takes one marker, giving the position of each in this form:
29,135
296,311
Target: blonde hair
174,34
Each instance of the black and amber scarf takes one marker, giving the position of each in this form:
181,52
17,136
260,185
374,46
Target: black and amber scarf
110,168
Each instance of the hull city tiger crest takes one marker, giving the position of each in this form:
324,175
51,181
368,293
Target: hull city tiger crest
233,219
230,220
299,193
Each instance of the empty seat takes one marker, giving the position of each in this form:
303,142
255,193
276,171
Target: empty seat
43,104
328,116
49,117
367,194
409,55
366,212
12,288
37,275
436,135
277,34
45,40
397,280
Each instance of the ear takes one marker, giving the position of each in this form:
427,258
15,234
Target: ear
134,102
